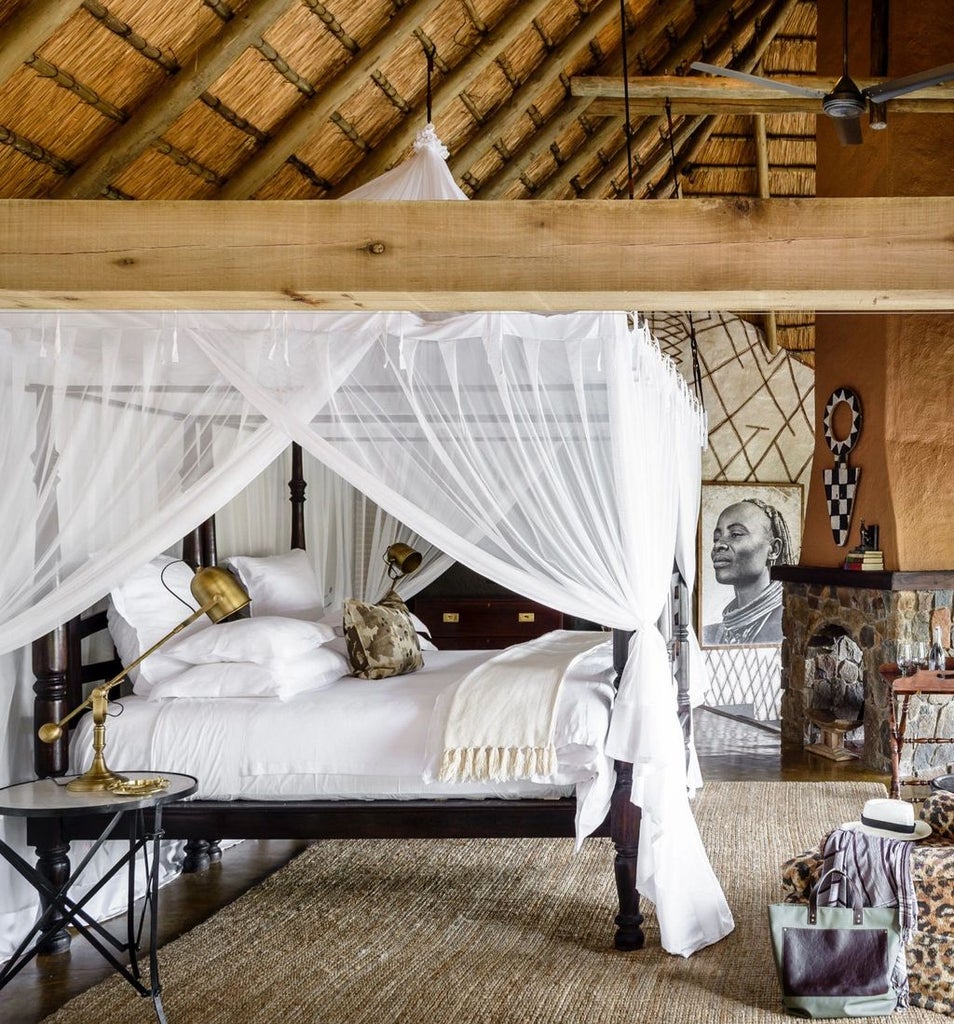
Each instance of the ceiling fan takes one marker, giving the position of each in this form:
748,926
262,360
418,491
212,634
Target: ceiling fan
845,103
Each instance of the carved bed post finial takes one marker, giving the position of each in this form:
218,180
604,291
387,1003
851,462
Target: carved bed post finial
296,488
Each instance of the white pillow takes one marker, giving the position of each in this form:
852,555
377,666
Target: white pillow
423,633
260,641
334,620
221,679
313,670
141,611
280,584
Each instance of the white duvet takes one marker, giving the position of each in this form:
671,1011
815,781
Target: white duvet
356,739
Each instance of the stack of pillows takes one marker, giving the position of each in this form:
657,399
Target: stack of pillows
289,645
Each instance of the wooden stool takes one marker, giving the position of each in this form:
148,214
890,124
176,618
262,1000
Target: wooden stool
833,731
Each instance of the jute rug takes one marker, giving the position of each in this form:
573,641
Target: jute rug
495,931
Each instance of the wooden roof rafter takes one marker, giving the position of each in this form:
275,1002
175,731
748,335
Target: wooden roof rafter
26,32
147,124
303,122
681,49
501,124
494,44
542,138
764,25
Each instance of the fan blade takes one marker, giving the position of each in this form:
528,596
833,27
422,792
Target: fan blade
848,130
793,90
899,86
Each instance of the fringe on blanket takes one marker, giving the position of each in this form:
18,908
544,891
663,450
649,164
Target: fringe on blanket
497,764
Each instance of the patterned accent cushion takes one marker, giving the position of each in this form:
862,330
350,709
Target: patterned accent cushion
938,812
381,638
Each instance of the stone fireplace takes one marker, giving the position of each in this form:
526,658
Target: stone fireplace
838,625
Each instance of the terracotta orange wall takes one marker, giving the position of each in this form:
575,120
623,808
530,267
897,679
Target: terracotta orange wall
901,366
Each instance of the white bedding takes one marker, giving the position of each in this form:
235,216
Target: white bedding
356,739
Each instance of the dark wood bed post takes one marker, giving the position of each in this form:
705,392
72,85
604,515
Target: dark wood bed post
199,551
51,666
198,546
296,489
681,643
625,819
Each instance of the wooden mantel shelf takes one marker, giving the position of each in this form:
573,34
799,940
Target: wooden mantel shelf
922,579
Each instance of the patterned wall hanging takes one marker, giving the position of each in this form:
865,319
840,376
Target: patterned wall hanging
841,482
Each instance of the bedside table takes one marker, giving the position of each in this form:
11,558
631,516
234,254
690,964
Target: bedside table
47,803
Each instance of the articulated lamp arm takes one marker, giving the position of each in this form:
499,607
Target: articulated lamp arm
220,595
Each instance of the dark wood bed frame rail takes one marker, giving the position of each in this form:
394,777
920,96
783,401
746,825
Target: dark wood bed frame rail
61,676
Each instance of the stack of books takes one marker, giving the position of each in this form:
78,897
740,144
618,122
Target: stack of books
865,561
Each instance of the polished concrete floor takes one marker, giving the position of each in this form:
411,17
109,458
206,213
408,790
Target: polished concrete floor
728,748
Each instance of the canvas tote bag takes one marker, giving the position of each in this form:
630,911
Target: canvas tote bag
835,961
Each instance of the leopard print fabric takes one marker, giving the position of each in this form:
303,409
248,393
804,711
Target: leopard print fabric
938,812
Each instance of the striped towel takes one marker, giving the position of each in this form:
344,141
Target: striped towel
881,868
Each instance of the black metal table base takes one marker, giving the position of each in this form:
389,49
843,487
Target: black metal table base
60,910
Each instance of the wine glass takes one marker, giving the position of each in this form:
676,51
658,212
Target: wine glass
920,654
904,656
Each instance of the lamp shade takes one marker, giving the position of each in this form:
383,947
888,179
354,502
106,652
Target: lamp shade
219,589
402,559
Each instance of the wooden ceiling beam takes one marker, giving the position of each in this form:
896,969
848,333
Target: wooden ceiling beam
682,50
749,255
308,119
30,28
698,95
767,25
516,107
389,150
168,102
769,325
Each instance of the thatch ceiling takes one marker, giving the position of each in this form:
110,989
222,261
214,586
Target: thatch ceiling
302,99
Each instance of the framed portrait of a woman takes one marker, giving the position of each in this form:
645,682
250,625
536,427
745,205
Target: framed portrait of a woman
745,529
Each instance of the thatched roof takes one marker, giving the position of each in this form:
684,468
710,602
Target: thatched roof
302,99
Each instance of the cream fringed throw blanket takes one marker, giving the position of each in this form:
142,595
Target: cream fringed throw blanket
502,716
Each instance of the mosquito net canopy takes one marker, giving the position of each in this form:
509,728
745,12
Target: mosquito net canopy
556,454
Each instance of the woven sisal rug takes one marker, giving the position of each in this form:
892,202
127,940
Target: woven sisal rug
495,931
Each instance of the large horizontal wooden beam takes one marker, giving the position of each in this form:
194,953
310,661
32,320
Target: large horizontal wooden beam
703,95
741,254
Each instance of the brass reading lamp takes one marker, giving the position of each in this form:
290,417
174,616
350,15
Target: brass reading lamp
219,595
402,560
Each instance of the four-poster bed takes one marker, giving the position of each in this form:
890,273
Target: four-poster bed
61,677
557,456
